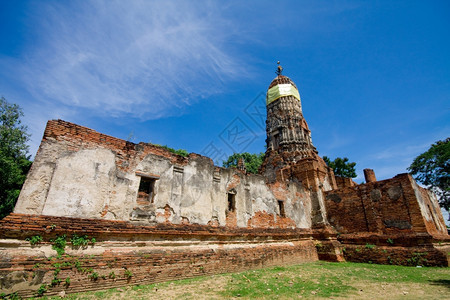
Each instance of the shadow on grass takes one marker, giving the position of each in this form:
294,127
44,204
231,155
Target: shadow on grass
441,282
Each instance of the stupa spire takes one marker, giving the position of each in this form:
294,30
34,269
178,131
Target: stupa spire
279,69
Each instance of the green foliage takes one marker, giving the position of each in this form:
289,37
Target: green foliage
58,244
341,167
14,161
181,152
417,259
67,281
112,275
42,289
390,241
13,296
79,241
93,276
252,161
55,281
370,246
77,265
432,168
128,274
36,239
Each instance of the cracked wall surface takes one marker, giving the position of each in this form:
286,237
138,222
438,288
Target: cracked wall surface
81,173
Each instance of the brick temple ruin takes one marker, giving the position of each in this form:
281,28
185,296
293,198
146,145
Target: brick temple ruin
158,216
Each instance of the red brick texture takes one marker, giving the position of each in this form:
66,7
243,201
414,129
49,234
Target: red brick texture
388,206
369,175
151,253
396,249
78,137
389,222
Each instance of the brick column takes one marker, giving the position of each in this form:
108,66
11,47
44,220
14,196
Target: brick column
369,175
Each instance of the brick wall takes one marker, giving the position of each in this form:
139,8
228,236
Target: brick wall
388,206
396,249
147,254
343,182
80,137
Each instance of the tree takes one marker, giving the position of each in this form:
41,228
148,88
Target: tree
14,159
341,167
252,161
432,168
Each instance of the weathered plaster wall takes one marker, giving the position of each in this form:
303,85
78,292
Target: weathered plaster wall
81,173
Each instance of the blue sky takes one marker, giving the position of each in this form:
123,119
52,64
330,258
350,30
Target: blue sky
374,76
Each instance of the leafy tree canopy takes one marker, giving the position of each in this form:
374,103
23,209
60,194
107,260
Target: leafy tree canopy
341,167
432,168
14,160
252,161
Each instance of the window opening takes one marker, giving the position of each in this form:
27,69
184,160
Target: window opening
231,202
146,190
281,207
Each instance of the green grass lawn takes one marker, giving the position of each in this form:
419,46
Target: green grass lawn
319,279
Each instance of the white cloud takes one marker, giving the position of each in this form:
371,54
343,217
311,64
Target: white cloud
146,59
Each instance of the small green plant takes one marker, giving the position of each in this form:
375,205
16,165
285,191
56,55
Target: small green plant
52,227
55,281
181,152
370,246
417,259
36,266
112,275
13,296
58,244
93,241
128,274
77,265
66,264
93,276
390,260
42,289
67,281
390,241
36,239
79,241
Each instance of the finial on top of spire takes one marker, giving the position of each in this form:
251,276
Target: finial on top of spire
279,69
